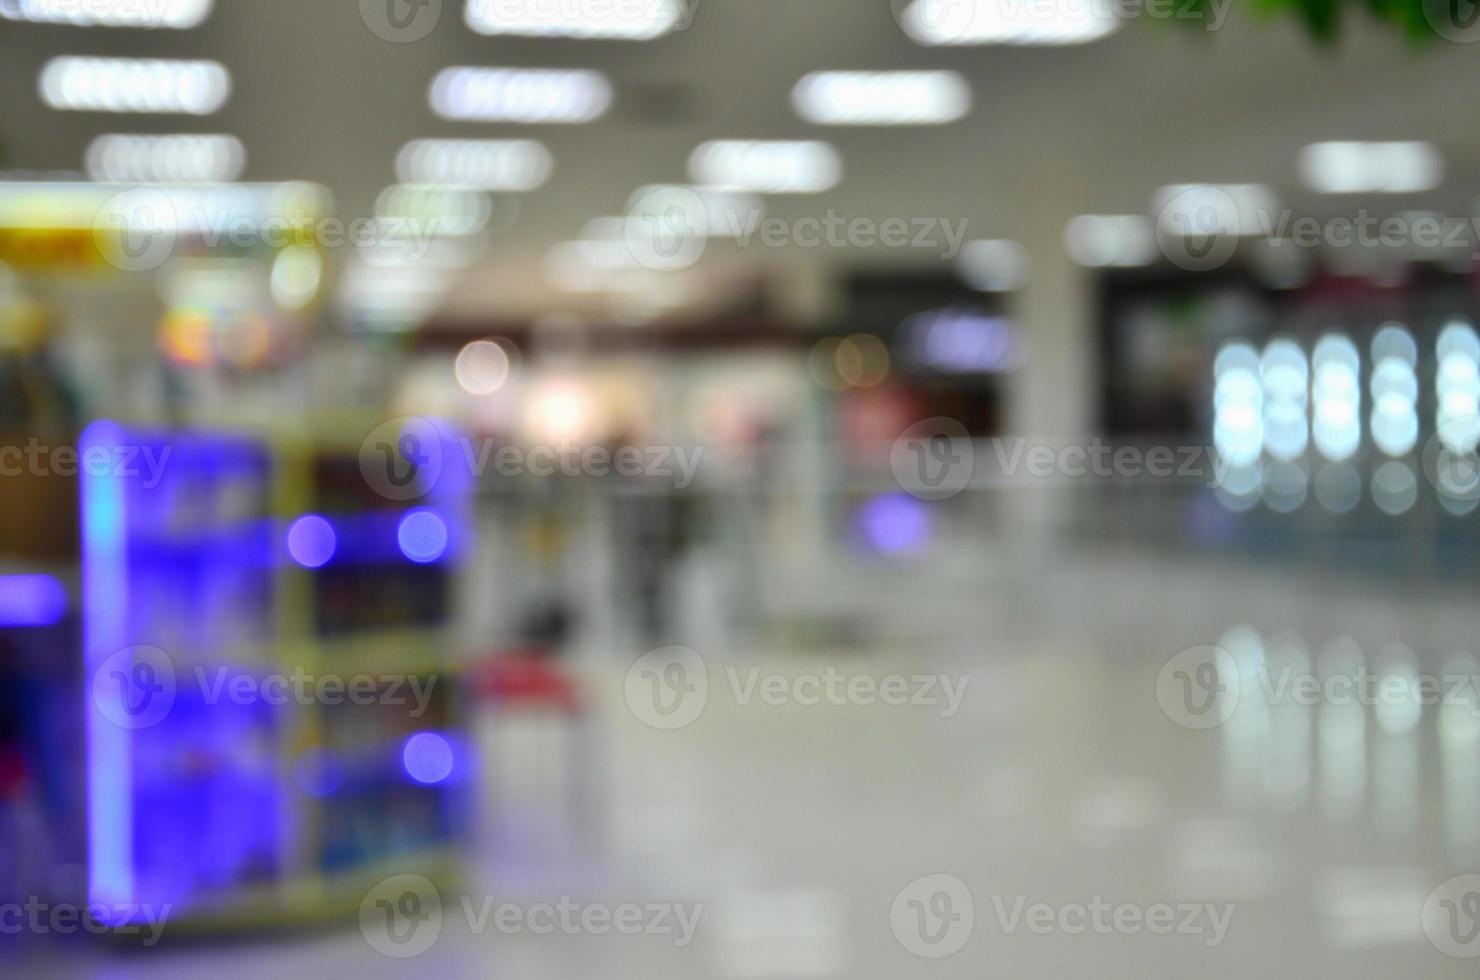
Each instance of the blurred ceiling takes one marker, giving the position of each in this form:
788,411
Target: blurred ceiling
1054,131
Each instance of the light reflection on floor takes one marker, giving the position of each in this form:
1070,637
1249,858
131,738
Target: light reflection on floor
1061,780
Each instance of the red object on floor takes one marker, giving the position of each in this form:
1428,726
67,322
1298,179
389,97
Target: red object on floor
525,678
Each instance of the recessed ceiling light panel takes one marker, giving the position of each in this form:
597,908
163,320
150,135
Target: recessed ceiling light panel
485,165
882,98
521,95
625,20
1350,167
195,88
1024,22
767,166
126,158
146,14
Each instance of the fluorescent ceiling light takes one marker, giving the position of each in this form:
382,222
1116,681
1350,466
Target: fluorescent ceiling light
120,158
1347,167
881,98
179,14
485,165
1098,240
1008,21
135,85
525,95
628,20
767,167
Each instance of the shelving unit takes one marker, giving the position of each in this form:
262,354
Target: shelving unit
288,615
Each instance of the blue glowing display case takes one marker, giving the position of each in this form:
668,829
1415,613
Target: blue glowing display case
232,594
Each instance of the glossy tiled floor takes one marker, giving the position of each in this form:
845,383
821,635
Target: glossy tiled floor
1312,834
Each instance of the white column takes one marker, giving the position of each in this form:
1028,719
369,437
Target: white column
1053,397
